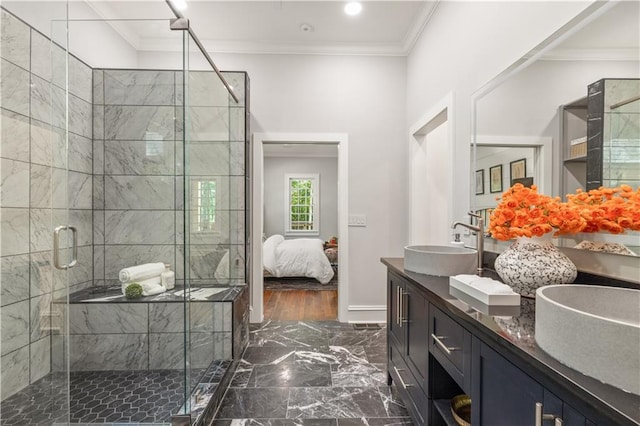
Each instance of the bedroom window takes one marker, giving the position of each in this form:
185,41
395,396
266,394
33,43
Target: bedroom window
302,204
203,201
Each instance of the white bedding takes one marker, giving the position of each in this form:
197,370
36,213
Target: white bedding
300,257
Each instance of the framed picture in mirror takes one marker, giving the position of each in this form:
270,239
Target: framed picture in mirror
518,169
495,178
479,182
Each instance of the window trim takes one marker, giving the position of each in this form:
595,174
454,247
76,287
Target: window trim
195,207
315,187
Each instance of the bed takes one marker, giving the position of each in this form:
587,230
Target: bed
299,257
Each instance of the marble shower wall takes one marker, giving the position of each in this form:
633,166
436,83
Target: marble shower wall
138,182
35,191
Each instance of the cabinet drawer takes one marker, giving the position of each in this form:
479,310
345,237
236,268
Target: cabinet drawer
447,340
408,386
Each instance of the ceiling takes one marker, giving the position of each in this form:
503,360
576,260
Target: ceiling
383,27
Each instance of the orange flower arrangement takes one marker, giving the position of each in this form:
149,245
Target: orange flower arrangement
523,212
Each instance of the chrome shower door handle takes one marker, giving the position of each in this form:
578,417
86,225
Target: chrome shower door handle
56,247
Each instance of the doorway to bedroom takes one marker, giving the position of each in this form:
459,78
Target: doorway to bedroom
301,226
300,210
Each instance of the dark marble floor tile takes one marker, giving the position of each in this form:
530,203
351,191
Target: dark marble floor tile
333,354
275,422
358,375
268,355
291,374
369,400
328,403
392,402
359,338
286,333
242,375
376,354
254,403
383,421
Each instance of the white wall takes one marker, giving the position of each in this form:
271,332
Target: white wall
275,169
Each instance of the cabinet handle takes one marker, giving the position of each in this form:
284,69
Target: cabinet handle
398,305
401,319
404,385
444,347
540,416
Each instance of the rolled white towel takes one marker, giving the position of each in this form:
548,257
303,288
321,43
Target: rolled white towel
486,284
141,272
150,287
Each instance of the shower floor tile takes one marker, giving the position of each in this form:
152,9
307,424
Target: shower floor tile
149,396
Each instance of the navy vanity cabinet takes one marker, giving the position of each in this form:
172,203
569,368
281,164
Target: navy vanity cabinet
408,352
502,394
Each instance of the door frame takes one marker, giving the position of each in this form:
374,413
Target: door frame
257,217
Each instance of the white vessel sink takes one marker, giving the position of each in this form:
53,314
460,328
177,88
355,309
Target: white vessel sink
440,260
592,329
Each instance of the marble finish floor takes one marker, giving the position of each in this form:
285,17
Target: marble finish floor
312,372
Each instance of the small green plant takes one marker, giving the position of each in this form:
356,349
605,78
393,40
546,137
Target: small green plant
133,291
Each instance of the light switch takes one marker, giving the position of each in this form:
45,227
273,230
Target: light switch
357,220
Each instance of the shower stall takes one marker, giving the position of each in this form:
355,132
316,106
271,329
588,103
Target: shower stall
105,168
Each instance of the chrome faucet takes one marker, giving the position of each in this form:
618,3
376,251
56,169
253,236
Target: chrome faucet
479,230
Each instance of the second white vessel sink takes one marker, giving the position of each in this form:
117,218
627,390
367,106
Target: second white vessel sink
440,260
592,329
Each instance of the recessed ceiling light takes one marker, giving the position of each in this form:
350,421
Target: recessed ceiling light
353,8
306,28
180,4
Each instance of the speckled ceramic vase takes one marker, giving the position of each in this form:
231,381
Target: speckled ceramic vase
530,263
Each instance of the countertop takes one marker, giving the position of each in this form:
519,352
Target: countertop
511,332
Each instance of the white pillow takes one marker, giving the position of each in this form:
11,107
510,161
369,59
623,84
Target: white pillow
269,252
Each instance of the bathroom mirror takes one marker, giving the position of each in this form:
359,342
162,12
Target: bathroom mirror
526,118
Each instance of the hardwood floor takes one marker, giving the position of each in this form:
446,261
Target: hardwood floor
301,305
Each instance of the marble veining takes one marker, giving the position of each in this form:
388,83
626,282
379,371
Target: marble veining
109,352
123,122
98,121
139,157
208,124
14,225
15,279
80,154
43,139
14,88
139,192
14,183
41,55
40,323
40,359
139,227
15,326
15,40
15,372
106,318
40,186
41,273
206,89
98,87
80,83
122,87
80,119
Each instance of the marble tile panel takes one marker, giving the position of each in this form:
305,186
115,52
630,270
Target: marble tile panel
14,88
237,234
358,374
212,234
118,257
237,81
15,40
14,135
83,221
98,87
80,116
236,158
207,262
206,347
14,226
98,226
40,55
72,189
40,359
236,263
222,317
206,89
98,262
328,402
237,192
98,192
166,351
98,157
80,154
138,87
14,286
98,121
108,318
80,79
268,355
40,186
241,403
166,317
14,183
40,307
149,157
237,123
44,139
83,271
59,63
15,372
41,273
376,354
139,192
359,338
303,334
133,122
139,227
201,316
291,374
14,326
98,352
48,103
332,355
242,375
208,124
369,400
209,158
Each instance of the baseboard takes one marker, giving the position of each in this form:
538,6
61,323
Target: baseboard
367,313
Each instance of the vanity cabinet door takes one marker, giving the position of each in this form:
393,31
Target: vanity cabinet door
396,329
416,320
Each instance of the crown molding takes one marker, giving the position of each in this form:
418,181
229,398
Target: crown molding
419,24
615,54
